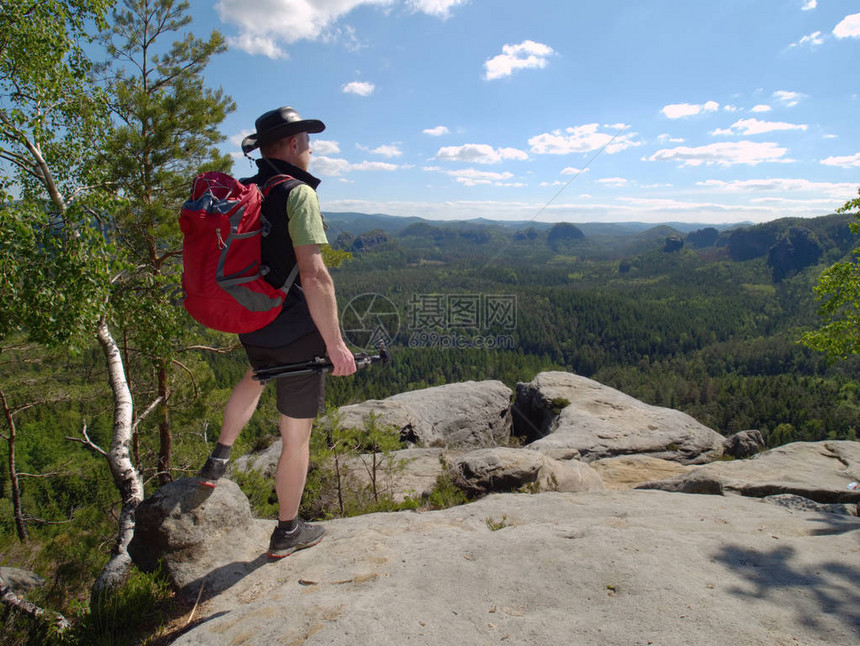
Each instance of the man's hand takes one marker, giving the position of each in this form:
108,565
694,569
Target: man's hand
342,360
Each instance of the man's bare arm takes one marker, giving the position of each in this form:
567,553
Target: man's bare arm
319,292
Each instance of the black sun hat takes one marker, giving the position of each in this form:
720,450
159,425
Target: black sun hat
277,124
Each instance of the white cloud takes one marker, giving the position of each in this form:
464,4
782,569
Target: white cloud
614,182
833,190
723,154
479,154
730,108
809,4
438,8
756,127
681,110
438,131
325,147
789,99
581,139
570,170
528,54
361,88
334,167
374,165
473,177
265,24
387,150
849,27
812,40
667,138
848,161
761,107
255,44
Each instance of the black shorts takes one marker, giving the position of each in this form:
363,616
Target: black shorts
299,396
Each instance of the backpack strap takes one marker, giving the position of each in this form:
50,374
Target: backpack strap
289,182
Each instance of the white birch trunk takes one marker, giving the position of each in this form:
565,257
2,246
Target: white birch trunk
125,475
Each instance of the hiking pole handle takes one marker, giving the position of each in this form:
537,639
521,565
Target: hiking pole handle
316,365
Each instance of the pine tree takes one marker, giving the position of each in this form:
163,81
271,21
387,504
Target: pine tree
167,129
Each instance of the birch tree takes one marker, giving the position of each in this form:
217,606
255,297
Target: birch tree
61,261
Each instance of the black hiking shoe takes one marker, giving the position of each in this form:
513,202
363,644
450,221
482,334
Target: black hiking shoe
284,543
212,470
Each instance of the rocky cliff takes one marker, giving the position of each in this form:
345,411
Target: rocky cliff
607,549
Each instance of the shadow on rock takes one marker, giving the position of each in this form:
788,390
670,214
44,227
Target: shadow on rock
225,577
816,591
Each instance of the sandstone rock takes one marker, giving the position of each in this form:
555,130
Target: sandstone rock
186,527
630,471
590,568
790,501
265,461
819,471
562,410
20,581
412,472
467,414
505,469
744,444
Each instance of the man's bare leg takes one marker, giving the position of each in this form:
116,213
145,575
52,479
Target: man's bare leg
241,405
292,533
293,465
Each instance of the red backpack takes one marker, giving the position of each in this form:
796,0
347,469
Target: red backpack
224,287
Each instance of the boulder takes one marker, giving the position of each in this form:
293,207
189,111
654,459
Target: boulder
818,471
19,581
560,410
505,469
184,527
592,568
467,414
744,444
630,471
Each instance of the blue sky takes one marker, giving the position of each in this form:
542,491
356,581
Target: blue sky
710,111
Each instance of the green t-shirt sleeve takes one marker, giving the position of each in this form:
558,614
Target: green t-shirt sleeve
305,219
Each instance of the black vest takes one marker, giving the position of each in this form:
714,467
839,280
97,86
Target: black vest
279,256
277,252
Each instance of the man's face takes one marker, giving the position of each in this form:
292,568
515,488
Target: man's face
300,147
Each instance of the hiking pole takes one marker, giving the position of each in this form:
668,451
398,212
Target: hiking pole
317,364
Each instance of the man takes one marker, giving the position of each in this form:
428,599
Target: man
306,327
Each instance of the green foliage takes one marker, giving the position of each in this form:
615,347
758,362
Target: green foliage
127,614
55,274
558,404
495,525
445,494
838,290
260,491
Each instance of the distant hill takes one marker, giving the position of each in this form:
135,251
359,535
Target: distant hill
789,244
357,223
